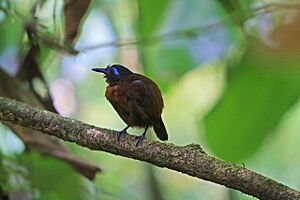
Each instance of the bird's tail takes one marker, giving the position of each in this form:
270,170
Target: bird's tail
160,130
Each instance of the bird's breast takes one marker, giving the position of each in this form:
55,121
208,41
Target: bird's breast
113,92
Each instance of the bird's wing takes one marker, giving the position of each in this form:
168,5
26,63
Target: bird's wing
130,101
145,98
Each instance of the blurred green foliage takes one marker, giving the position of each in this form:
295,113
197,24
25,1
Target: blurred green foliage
11,32
150,13
260,90
50,179
235,94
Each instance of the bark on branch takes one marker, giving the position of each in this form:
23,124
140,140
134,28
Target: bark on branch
189,159
33,140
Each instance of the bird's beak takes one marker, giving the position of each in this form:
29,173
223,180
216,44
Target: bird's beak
101,70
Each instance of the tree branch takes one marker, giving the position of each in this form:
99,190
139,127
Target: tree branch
34,140
189,159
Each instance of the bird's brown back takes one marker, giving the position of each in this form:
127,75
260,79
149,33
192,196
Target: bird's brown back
137,99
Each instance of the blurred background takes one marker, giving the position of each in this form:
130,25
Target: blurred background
229,71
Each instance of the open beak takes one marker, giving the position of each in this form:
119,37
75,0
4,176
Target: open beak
101,70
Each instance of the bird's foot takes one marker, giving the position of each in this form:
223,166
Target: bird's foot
139,140
121,133
141,137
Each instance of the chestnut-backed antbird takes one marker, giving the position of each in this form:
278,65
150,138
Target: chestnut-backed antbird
136,98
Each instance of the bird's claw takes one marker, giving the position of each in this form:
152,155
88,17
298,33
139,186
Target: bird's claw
120,134
139,140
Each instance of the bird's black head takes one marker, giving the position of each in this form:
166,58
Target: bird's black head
114,72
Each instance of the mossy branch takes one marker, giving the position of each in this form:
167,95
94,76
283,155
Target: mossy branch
189,159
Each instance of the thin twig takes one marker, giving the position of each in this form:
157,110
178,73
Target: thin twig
194,31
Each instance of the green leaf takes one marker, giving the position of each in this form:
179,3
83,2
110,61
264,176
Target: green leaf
246,3
166,69
150,15
53,178
233,5
264,86
44,54
13,175
3,177
11,32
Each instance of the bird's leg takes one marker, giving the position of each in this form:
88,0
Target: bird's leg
121,133
141,137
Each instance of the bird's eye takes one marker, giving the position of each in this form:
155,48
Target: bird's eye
114,71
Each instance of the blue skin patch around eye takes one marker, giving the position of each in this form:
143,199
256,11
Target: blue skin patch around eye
116,72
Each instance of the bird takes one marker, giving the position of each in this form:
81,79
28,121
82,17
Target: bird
136,98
